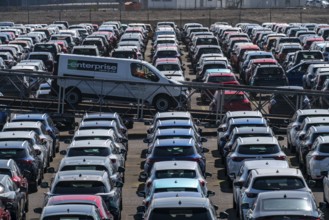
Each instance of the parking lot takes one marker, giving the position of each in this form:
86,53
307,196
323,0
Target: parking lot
217,183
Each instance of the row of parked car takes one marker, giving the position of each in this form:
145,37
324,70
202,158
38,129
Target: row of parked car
259,172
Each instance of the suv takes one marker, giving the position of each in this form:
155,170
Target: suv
263,180
87,182
46,57
268,75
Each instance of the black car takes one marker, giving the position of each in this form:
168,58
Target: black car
26,158
13,199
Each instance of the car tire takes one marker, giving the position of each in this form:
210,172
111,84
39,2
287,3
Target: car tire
162,103
73,96
26,207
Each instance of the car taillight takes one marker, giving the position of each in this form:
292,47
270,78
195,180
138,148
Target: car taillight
238,159
113,160
149,184
16,179
202,183
280,158
318,157
251,195
29,162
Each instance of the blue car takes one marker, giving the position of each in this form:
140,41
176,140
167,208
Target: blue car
175,149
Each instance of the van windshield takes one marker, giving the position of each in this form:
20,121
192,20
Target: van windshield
180,213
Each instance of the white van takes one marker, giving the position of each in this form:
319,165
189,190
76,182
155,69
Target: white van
94,71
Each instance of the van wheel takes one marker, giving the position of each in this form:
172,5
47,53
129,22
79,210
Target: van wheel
73,97
162,103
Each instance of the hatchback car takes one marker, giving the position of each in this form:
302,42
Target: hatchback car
79,212
252,148
285,205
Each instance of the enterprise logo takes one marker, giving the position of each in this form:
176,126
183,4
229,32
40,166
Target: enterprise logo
92,66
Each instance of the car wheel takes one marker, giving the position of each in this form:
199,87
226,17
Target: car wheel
162,103
73,97
41,177
26,207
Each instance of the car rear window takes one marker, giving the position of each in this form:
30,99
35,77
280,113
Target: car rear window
258,149
324,148
79,187
175,174
124,54
85,51
82,138
278,183
88,151
180,213
173,151
270,71
84,167
6,172
168,67
68,217
12,153
219,79
38,57
215,66
176,189
286,204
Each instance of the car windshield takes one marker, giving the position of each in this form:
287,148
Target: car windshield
88,151
175,174
258,149
124,54
278,183
12,153
79,187
180,214
168,67
286,204
68,217
84,167
173,151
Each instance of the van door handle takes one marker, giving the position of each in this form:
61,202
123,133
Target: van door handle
132,84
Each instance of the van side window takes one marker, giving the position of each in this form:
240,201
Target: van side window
143,72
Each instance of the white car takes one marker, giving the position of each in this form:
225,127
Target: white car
317,159
252,148
174,169
244,171
265,180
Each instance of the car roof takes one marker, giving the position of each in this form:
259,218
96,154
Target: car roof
90,143
247,120
244,113
177,194
37,116
317,119
94,132
174,131
312,111
14,144
23,124
278,171
5,163
253,130
80,175
84,160
175,122
53,200
172,165
175,182
255,164
257,140
284,194
16,134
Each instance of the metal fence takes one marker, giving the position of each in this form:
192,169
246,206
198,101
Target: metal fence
98,14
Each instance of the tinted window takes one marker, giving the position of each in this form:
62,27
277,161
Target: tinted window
12,153
68,217
6,172
219,79
86,151
168,67
269,71
176,189
79,187
173,151
286,204
124,54
278,183
84,167
175,174
259,149
324,148
85,51
92,138
181,214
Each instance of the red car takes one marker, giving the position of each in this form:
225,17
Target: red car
233,101
216,77
81,199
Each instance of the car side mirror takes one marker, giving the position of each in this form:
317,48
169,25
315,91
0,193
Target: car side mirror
203,139
51,170
280,138
118,184
121,169
44,185
141,194
207,174
205,150
223,215
311,183
63,152
210,193
37,210
146,140
245,206
67,141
